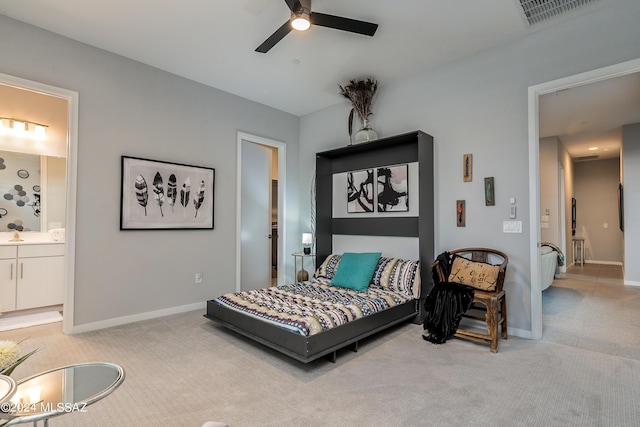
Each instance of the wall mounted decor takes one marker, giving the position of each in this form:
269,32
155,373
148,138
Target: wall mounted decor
573,216
393,189
489,193
460,213
158,195
360,191
621,207
467,167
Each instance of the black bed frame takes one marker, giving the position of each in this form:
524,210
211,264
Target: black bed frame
407,148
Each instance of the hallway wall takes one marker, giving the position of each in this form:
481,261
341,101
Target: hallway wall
596,193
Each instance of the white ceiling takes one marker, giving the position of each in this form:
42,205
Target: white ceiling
588,118
213,41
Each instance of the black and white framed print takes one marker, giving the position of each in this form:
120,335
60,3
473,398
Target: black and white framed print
158,195
393,188
360,191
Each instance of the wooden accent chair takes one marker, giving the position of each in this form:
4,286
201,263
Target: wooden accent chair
494,303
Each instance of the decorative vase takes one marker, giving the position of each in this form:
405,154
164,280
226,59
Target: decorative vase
365,134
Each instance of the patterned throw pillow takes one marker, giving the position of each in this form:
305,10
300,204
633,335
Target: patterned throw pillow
383,272
328,268
405,278
479,275
398,275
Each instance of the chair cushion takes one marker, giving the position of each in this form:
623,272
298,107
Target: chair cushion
479,275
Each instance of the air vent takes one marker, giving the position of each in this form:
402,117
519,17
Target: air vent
536,11
584,158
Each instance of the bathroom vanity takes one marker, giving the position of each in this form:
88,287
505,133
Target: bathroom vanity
31,272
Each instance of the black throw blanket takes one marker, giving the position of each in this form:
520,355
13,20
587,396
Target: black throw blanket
445,304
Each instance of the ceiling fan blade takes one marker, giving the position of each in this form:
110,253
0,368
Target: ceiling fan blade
274,38
344,24
293,4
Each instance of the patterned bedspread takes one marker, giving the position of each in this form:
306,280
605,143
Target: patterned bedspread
310,307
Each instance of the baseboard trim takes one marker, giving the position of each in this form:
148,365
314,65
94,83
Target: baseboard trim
511,331
631,283
520,333
94,326
592,261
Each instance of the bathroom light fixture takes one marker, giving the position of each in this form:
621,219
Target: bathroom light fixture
23,129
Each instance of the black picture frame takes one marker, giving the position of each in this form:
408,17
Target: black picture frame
392,188
161,195
573,216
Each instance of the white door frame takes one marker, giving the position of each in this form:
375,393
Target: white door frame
72,168
282,197
535,92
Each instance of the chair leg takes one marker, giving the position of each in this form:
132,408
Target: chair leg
503,310
492,323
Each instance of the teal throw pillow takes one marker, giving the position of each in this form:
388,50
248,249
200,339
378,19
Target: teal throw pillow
356,270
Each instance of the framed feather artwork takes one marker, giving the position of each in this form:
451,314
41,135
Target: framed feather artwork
158,195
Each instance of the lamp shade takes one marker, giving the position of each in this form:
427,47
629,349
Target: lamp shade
307,238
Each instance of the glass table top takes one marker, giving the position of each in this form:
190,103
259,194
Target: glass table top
61,390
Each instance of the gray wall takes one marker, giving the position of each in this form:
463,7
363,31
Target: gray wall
129,108
549,162
631,172
596,193
479,106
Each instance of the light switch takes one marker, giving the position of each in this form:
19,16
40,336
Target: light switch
512,212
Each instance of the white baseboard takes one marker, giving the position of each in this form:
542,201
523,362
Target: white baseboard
592,261
511,331
520,333
87,327
631,283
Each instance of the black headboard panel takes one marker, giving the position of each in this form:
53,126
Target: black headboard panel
407,148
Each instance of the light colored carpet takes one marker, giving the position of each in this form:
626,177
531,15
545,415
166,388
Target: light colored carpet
182,370
24,321
592,309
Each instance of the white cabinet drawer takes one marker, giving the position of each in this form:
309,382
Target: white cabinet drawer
8,251
27,251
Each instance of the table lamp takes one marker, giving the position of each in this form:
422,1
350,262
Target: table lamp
307,241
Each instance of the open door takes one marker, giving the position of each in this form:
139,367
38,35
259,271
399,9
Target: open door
255,216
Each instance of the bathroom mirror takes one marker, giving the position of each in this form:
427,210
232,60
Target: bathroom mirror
33,192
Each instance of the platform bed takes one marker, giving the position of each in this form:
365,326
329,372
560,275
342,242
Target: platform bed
309,348
318,317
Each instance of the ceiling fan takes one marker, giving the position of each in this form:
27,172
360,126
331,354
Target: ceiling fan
302,18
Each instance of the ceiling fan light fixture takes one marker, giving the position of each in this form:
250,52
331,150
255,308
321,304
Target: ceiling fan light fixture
300,20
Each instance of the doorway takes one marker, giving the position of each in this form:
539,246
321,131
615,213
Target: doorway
534,184
260,214
70,148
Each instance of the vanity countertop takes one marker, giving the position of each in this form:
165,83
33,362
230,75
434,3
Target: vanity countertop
29,238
